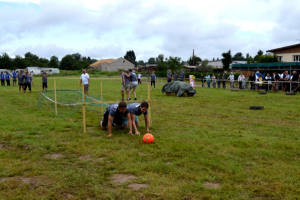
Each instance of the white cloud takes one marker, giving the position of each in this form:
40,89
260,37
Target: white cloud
107,29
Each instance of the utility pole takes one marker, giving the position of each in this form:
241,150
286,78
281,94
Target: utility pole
193,58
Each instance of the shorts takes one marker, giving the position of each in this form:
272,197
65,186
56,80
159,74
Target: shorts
153,82
134,84
169,81
30,79
125,87
14,80
125,120
86,87
45,85
21,84
117,120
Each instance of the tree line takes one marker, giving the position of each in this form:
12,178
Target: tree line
69,62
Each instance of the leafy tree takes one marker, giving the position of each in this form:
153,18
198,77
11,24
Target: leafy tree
174,63
226,61
204,67
213,59
259,53
218,58
249,59
54,63
67,62
130,56
238,56
43,62
195,61
5,61
76,56
161,62
141,62
267,58
151,61
19,62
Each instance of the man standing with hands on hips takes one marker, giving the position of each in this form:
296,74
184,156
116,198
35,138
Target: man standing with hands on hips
85,80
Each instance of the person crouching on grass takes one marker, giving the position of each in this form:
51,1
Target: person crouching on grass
113,115
27,82
20,77
44,81
135,110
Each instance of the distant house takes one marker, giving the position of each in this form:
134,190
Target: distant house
288,53
112,64
219,65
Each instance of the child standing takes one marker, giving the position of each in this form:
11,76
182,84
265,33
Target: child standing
44,81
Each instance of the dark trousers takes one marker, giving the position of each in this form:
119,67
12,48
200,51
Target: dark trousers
45,86
219,84
139,81
2,83
27,85
169,81
153,82
240,85
252,86
8,82
224,84
268,87
203,81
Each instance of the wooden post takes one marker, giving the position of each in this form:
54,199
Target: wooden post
39,87
149,109
55,96
101,99
83,109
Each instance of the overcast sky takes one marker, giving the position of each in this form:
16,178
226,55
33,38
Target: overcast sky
109,28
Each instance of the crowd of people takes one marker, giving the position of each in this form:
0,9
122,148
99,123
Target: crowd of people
23,78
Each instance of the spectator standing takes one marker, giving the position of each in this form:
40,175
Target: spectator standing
276,84
85,80
207,78
224,80
14,74
202,79
20,77
259,79
139,78
134,82
7,78
214,81
231,78
2,77
219,80
268,79
153,79
127,85
241,78
31,78
44,81
182,75
27,82
175,76
294,80
169,76
252,79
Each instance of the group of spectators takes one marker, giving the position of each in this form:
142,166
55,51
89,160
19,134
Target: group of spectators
24,79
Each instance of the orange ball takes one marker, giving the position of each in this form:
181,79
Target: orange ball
148,138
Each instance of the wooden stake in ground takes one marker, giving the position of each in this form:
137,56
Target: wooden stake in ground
55,96
39,87
101,99
149,109
83,109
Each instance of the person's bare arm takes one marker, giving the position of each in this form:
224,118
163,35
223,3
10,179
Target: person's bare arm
146,123
129,123
88,81
110,120
133,124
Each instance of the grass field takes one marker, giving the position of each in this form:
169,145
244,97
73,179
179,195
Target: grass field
211,146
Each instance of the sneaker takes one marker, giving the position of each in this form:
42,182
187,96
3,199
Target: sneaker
128,99
100,123
135,99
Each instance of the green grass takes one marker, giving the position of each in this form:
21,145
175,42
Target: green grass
213,137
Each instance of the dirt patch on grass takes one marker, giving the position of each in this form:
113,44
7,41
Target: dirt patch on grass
211,185
53,156
142,154
99,159
136,186
122,178
168,163
3,146
85,157
32,182
3,180
37,135
18,132
67,196
217,116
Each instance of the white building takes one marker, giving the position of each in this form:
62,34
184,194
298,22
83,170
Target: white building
219,65
112,64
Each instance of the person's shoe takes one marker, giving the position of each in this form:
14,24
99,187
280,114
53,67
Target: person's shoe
113,124
128,99
135,99
100,124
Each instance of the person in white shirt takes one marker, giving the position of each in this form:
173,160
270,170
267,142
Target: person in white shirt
139,78
85,80
231,78
241,79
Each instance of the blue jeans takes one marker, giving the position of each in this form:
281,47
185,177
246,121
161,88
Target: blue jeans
208,84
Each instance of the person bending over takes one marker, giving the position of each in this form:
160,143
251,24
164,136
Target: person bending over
135,110
114,115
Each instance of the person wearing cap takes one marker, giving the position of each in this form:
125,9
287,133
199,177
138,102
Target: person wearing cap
2,77
113,116
20,77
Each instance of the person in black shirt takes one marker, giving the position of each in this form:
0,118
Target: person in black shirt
294,80
252,78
